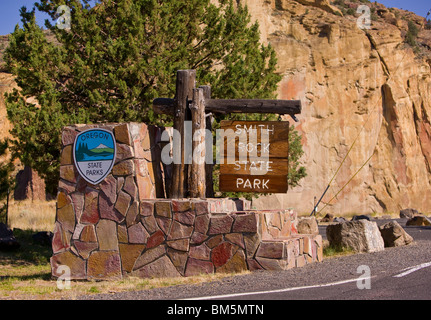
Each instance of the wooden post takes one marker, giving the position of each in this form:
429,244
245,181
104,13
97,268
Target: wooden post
186,82
7,207
209,118
197,185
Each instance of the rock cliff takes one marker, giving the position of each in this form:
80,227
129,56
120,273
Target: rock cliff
362,88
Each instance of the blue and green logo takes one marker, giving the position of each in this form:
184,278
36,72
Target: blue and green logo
94,154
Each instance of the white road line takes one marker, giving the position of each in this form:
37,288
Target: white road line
406,272
233,295
413,269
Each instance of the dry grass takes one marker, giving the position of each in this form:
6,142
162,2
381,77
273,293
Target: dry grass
25,274
32,215
35,283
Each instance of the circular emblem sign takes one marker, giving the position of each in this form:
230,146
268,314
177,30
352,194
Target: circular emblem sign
94,154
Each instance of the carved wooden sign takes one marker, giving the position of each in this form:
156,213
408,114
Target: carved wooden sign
254,156
257,174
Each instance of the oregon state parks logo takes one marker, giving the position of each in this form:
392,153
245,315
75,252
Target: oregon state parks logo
94,154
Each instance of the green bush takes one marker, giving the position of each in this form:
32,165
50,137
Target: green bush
116,58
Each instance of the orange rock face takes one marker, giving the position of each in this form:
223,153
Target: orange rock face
365,88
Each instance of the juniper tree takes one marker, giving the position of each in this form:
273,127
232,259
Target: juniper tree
116,57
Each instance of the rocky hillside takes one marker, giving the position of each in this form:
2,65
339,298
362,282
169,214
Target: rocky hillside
366,88
363,87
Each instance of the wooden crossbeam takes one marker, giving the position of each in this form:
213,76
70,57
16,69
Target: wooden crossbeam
224,106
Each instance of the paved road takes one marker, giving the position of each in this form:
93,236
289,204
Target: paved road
400,273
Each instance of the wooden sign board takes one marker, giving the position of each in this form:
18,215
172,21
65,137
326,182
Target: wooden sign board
257,184
255,156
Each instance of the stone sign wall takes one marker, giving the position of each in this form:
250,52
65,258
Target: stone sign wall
125,226
171,238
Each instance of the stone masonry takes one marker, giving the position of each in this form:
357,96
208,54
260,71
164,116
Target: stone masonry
125,226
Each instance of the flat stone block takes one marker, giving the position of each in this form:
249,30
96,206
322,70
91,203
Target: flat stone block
63,199
130,187
66,186
107,210
68,259
201,252
163,209
196,267
202,223
162,268
122,234
307,242
61,239
181,205
198,238
220,224
180,245
253,265
90,213
300,261
123,203
155,239
66,155
146,208
124,168
132,215
104,265
222,253
84,249
179,231
68,136
66,216
150,224
129,253
273,250
149,256
106,231
124,152
137,234
179,259
251,242
164,224
236,264
245,223
214,241
186,217
271,264
236,238
88,234
109,188
122,134
200,207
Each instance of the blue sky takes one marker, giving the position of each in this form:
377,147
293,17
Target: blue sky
9,14
9,11
420,7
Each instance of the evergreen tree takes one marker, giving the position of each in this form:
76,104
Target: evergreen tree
117,57
412,34
296,171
